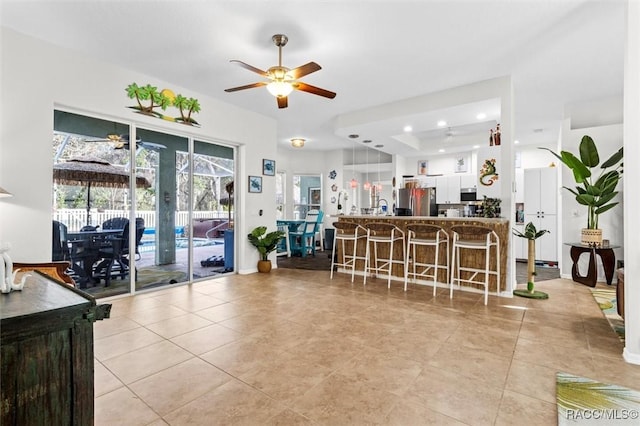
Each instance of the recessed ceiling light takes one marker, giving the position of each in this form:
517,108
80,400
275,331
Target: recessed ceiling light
476,146
538,130
516,142
407,129
481,116
354,136
441,150
366,141
379,145
442,123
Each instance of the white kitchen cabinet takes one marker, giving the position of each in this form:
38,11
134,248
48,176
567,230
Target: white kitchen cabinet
428,182
469,181
540,207
448,190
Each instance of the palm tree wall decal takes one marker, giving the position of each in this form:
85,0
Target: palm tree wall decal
163,99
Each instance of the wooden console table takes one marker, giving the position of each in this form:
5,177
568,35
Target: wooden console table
607,256
47,353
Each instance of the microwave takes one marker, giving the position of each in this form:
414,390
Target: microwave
467,194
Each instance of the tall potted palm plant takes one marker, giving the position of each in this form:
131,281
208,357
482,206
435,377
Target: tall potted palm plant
594,191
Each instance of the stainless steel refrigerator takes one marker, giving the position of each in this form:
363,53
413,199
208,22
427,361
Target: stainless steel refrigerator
417,202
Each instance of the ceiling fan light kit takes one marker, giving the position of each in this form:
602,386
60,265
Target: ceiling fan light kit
282,80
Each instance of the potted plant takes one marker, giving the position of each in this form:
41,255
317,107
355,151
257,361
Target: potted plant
595,192
265,245
531,234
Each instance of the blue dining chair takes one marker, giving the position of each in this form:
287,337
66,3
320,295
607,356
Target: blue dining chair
304,240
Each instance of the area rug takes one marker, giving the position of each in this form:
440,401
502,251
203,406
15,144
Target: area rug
606,299
320,262
588,402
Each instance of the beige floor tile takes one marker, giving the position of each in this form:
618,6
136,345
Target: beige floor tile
178,385
520,409
467,400
411,413
285,378
475,364
142,362
124,342
172,327
122,407
104,380
150,316
232,403
339,400
487,338
243,355
575,361
316,351
221,312
533,380
388,373
289,418
206,339
106,328
545,335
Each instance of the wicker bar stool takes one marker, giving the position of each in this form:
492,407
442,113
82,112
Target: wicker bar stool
474,238
379,233
345,232
423,235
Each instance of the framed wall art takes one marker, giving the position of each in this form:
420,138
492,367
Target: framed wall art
423,167
255,184
268,167
314,196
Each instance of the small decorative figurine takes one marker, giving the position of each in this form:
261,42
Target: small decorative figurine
7,274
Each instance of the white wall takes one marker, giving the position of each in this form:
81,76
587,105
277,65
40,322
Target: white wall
38,77
608,139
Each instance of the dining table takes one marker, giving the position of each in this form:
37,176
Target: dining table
84,247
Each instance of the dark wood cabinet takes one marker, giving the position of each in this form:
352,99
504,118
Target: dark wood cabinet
46,337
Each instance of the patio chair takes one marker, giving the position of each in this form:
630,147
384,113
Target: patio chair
317,215
60,246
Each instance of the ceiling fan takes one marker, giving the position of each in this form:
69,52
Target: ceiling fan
283,80
122,142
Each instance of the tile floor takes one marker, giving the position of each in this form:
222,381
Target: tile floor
294,347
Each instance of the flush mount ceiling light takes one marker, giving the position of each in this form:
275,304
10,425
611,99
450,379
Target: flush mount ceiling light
516,142
407,129
442,123
297,142
481,116
441,150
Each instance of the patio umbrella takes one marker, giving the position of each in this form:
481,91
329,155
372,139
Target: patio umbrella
93,171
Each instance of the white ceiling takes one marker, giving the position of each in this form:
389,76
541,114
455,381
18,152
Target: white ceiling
372,53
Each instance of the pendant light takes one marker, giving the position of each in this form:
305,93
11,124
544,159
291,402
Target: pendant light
379,184
367,184
354,181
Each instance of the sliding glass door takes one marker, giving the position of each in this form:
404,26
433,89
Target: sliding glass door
180,227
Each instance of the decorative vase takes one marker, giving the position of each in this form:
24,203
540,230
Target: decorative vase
264,266
591,237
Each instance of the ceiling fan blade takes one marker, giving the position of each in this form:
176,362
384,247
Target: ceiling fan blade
250,68
303,70
98,140
314,90
248,86
282,102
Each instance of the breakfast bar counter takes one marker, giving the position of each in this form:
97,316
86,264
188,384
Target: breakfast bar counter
499,225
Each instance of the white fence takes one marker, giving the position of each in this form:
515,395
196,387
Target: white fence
77,218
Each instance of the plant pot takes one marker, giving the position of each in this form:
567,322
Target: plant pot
264,266
591,237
